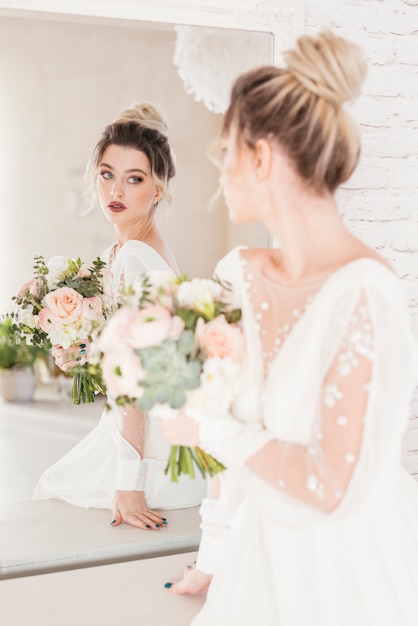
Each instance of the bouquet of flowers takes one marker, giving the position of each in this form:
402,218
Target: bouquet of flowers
63,304
175,343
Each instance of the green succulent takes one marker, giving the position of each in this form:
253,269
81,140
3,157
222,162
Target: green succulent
172,368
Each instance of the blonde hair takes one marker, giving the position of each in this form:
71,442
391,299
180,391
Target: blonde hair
141,126
301,107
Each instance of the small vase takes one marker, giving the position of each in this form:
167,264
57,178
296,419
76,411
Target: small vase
17,384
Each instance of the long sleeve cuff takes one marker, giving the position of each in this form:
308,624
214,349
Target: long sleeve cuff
214,537
232,442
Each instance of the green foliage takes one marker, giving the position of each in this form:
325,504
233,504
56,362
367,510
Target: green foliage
14,353
87,383
87,286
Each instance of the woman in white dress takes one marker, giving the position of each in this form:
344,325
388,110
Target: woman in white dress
316,523
120,464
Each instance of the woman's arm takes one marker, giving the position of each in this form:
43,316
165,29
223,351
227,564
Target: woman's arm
129,504
317,474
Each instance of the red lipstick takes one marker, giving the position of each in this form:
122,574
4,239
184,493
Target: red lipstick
116,207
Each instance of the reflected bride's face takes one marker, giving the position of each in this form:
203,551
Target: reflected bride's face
237,180
126,189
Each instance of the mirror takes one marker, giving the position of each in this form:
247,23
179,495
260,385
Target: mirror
64,74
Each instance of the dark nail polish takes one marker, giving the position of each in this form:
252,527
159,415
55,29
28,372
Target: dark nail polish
147,526
157,525
168,585
164,519
114,522
82,345
78,358
165,523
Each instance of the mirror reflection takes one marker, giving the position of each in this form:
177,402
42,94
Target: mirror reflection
62,80
61,83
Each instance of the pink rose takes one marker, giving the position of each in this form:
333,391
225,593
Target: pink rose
31,285
148,327
64,303
122,372
47,321
114,333
92,308
220,339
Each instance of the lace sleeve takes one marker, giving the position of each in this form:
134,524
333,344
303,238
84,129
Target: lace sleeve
319,474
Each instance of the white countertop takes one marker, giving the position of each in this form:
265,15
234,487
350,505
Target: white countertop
123,593
50,535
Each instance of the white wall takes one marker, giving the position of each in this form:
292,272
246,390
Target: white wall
380,202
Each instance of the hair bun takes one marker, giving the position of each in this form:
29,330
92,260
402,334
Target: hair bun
329,66
144,113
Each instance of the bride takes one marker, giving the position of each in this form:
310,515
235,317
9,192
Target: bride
120,464
316,521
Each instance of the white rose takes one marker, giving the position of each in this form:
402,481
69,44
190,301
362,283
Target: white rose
64,336
199,294
58,269
26,318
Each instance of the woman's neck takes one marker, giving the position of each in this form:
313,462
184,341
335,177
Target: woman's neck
148,233
312,236
145,231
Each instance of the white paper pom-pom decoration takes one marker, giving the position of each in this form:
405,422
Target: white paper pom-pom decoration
208,60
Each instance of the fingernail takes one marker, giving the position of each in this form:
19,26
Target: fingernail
114,522
78,358
164,519
168,585
147,526
82,345
157,525
82,352
165,522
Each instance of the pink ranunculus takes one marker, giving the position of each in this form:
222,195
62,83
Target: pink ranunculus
92,308
47,321
166,300
122,373
114,333
64,303
31,285
220,339
177,327
148,327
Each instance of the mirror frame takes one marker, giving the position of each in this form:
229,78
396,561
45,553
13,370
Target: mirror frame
284,19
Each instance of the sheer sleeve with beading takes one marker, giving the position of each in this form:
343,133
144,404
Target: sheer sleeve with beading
357,404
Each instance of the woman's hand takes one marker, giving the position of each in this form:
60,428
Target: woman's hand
66,358
193,581
180,430
130,507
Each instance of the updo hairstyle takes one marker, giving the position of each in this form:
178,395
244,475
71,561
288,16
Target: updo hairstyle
300,108
143,127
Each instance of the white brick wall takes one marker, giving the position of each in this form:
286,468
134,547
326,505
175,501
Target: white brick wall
380,202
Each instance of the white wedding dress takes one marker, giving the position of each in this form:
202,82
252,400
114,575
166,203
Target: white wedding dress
102,462
334,542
